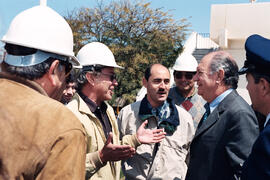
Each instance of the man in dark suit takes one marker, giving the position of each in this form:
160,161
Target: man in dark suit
256,67
224,139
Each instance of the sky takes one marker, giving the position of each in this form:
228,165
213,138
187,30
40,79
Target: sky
196,11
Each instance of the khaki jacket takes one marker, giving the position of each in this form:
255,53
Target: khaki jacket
95,168
170,160
40,138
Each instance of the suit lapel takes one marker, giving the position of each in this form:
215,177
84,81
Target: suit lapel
212,119
214,116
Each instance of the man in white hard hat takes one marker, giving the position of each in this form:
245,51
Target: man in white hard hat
41,139
185,93
167,159
96,83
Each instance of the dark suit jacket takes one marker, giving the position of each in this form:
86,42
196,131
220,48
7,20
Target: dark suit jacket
223,142
257,165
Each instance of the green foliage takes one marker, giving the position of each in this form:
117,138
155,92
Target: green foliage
137,35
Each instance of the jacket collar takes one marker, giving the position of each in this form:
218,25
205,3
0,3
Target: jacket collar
91,104
267,121
214,116
26,82
82,106
169,124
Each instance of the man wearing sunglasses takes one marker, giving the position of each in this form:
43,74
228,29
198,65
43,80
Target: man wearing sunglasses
96,83
184,93
42,139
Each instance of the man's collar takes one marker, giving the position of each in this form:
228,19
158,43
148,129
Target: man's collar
169,120
267,119
91,104
218,99
32,84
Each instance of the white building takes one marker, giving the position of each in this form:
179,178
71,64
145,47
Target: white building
230,25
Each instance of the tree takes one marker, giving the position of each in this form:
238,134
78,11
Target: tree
137,35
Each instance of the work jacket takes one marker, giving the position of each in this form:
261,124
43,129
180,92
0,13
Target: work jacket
40,137
164,160
95,168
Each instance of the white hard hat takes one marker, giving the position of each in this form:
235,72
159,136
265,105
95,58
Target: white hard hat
185,62
44,29
96,53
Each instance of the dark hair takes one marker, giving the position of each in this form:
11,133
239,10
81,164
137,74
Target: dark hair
28,72
81,78
147,72
71,77
257,76
223,60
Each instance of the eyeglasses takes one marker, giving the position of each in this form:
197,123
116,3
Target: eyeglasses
187,75
112,76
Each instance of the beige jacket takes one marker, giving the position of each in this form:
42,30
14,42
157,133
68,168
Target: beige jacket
40,137
170,160
96,139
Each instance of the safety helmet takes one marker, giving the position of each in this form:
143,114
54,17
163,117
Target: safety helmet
96,53
41,28
185,62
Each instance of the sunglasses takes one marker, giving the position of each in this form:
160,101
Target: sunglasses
111,76
187,75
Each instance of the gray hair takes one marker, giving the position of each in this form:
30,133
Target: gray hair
223,60
81,75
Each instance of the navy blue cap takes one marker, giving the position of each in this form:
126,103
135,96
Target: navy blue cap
257,55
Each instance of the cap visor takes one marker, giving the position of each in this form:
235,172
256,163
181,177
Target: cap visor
243,70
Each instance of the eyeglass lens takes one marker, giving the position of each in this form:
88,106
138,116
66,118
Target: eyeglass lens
112,76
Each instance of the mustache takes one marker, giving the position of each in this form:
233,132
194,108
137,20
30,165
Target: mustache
161,90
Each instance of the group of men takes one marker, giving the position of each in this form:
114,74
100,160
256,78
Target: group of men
155,137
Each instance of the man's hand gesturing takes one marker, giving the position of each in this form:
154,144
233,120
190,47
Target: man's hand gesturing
112,152
148,136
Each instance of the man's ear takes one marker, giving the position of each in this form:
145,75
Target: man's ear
144,81
90,78
220,75
264,86
52,72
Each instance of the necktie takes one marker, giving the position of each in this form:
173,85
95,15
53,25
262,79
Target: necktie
207,112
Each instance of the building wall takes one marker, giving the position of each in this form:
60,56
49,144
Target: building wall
239,21
231,24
